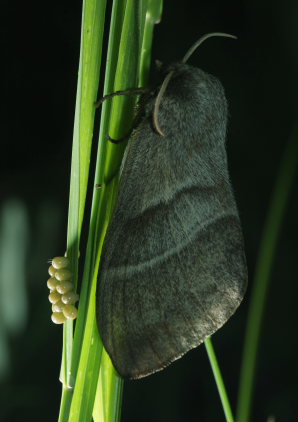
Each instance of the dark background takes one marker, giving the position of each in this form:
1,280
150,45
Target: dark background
40,52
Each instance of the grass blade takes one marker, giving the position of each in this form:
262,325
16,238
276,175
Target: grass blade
265,261
88,78
129,72
123,65
219,381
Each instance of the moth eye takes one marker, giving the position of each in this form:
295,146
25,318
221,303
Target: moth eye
58,317
63,274
54,297
52,271
58,306
52,283
70,311
70,298
64,287
60,262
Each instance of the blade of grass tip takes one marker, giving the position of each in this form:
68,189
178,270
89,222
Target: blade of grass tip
152,17
142,10
219,381
263,271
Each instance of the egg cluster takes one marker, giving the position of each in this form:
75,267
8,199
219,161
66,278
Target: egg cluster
62,294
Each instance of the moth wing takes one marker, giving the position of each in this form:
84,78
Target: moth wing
172,272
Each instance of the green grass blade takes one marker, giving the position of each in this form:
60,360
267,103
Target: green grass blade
123,73
86,315
88,78
152,17
89,358
219,381
127,76
265,261
108,399
89,363
97,212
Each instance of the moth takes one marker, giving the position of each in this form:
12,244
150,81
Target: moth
173,267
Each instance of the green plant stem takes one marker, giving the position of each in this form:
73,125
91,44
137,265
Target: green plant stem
122,72
81,360
132,70
263,271
219,380
91,346
109,393
93,17
65,404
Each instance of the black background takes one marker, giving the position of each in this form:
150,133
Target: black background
40,52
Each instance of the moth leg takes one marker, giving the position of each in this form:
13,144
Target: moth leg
119,141
136,120
131,91
145,93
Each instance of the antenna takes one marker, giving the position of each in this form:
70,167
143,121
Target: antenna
170,74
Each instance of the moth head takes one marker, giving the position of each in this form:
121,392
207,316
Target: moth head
170,71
